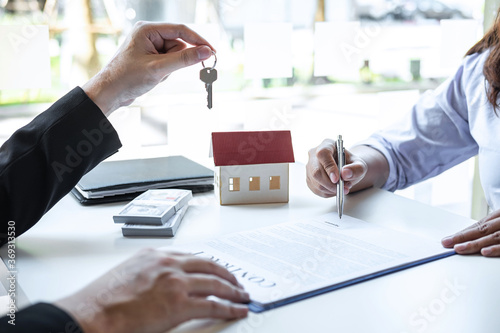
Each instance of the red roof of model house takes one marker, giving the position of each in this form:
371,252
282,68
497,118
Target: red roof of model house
259,147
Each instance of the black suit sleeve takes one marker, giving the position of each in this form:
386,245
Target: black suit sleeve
44,160
42,318
39,165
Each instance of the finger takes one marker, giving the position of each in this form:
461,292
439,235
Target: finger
200,265
318,189
325,155
355,169
169,253
202,285
490,217
205,308
327,191
354,172
475,246
493,215
471,232
491,251
319,180
173,61
316,177
347,187
174,45
475,231
173,31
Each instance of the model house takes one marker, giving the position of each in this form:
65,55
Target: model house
252,167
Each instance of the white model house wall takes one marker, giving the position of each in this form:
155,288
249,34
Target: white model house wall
237,184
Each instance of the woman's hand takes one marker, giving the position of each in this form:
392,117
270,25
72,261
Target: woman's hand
481,237
322,170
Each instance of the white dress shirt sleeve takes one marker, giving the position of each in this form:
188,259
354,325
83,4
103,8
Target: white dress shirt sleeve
433,137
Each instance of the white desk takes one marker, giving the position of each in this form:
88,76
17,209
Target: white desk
74,244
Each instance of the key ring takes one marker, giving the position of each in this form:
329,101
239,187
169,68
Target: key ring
215,62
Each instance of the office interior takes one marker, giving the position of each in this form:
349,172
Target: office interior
318,68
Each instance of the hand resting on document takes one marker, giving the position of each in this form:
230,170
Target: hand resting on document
155,291
481,237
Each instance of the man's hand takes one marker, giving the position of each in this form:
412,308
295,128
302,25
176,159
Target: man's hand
151,52
481,237
155,291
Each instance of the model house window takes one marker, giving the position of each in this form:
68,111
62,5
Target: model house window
274,182
254,183
234,184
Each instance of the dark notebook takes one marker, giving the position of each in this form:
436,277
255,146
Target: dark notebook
124,180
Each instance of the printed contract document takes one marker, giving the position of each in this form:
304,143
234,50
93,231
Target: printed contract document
288,262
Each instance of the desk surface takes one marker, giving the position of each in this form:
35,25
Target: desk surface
74,244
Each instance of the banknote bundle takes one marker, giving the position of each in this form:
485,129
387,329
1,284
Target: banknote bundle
154,213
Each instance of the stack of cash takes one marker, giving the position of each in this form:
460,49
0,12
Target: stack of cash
154,213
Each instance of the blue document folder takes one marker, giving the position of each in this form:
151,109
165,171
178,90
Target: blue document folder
261,307
288,262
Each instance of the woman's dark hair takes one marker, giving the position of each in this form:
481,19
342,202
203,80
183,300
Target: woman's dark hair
491,68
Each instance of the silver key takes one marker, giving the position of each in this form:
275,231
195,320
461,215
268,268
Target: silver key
209,76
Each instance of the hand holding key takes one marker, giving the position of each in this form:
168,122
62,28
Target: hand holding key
149,54
209,75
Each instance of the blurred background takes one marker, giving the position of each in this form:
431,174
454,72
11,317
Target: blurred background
319,68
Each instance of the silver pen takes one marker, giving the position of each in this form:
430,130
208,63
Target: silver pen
340,183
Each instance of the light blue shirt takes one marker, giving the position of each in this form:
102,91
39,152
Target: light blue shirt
445,127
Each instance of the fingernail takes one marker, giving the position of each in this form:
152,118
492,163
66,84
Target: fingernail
461,247
447,241
347,173
245,296
204,52
333,178
487,251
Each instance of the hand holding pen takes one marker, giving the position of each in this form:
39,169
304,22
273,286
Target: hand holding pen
323,167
